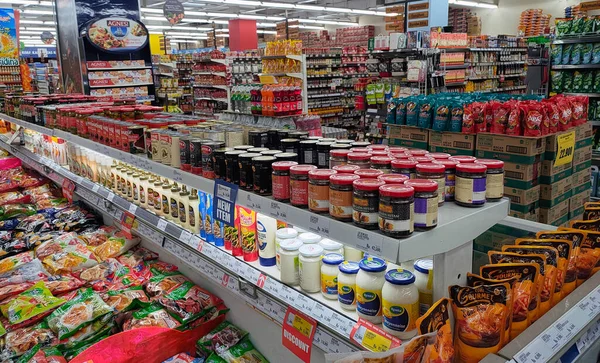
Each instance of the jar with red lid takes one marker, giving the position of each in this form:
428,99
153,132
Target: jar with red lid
393,178
435,172
365,202
463,159
401,156
383,163
426,203
379,153
299,185
407,167
494,188
439,156
346,169
422,159
450,174
470,184
281,180
396,210
72,120
368,173
338,157
318,190
127,113
340,196
378,147
363,160
360,150
82,121
417,152
397,150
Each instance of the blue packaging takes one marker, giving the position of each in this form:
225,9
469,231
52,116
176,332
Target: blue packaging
202,210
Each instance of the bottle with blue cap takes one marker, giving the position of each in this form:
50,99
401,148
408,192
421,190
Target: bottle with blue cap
400,300
369,282
329,275
424,282
347,284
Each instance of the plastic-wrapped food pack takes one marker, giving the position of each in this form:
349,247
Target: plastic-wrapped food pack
220,339
18,342
121,300
31,302
152,315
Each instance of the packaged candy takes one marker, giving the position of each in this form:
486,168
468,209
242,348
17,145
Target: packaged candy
188,301
153,315
31,302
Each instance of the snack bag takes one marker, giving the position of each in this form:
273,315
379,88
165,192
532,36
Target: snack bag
441,115
390,117
596,54
243,351
532,119
77,314
39,355
161,282
220,339
580,109
31,302
10,263
480,315
588,25
553,115
588,259
18,342
412,111
437,320
577,81
587,53
589,225
525,294
557,81
456,117
513,122
563,26
566,113
152,315
568,82
576,54
556,54
470,118
187,301
499,118
426,110
566,53
400,111
576,237
120,300
577,26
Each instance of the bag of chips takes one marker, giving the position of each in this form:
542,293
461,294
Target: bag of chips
426,110
499,117
566,53
243,351
566,113
513,121
412,111
576,237
557,81
62,284
553,115
31,302
9,211
596,54
587,53
152,315
441,115
563,26
576,54
187,301
401,111
456,117
97,236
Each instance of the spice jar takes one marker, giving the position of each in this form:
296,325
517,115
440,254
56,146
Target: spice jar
405,167
435,172
299,185
346,169
340,196
365,202
470,184
396,210
246,179
286,157
362,160
383,163
323,154
281,180
426,203
289,145
261,168
338,157
318,190
307,152
368,173
450,176
463,159
393,178
494,188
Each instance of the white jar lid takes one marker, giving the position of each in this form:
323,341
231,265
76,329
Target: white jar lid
424,265
290,244
286,233
311,250
309,238
329,245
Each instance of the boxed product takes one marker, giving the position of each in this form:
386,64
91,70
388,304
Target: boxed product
582,154
578,200
555,193
525,150
583,131
522,176
453,143
557,215
413,137
581,177
499,235
522,196
532,215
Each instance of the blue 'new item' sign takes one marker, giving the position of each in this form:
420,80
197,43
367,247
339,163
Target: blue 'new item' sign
224,203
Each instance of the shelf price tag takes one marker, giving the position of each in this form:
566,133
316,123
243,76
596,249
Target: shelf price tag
372,337
278,211
95,188
566,145
111,196
162,224
132,208
318,224
185,237
298,332
369,242
224,204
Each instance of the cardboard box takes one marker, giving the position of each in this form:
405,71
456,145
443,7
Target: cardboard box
583,166
583,131
523,146
552,194
552,144
583,143
562,221
581,177
522,176
582,155
497,236
581,188
510,158
552,215
576,215
532,215
578,200
552,174
453,143
408,136
522,196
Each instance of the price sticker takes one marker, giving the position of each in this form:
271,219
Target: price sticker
177,176
375,342
372,337
565,148
185,237
318,224
162,224
302,325
95,188
132,208
111,196
369,242
298,332
278,211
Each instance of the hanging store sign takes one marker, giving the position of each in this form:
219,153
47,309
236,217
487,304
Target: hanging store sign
173,11
298,332
117,35
9,45
224,203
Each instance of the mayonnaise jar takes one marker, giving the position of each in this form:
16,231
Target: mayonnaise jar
369,283
290,261
352,254
329,275
310,267
400,300
330,246
309,238
281,235
347,284
424,281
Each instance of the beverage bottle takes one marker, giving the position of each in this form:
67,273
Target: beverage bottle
247,100
258,100
298,94
293,105
285,102
264,100
277,108
253,100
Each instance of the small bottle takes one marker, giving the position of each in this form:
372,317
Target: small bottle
142,190
166,200
174,202
194,212
158,191
184,197
135,188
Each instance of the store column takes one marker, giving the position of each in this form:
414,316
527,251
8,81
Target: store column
242,35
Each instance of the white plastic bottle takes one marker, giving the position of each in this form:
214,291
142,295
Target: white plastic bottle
265,238
400,299
369,282
424,281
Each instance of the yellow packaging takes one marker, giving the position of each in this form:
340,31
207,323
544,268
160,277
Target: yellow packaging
588,260
576,237
589,225
437,319
480,313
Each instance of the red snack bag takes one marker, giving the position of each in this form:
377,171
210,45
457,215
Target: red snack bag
513,122
499,117
553,114
468,124
479,116
488,115
579,105
545,120
566,113
532,119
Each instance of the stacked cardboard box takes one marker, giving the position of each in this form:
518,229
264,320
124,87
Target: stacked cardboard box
457,18
408,136
522,158
582,162
453,143
474,26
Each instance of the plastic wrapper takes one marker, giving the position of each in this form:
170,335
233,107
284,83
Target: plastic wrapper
596,54
15,247
556,54
81,347
161,282
57,203
97,236
212,314
121,300
77,313
30,272
187,301
137,256
587,53
18,342
480,316
244,351
557,81
153,315
115,245
9,211
499,117
553,114
412,351
563,26
75,219
100,326
70,261
426,110
579,106
588,259
37,354
412,111
576,52
31,302
14,198
102,271
32,180
513,121
566,113
11,290
62,284
63,243
37,223
437,320
111,275
10,263
220,339
183,358
532,119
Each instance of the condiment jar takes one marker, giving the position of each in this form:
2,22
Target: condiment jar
494,188
417,152
289,145
271,152
360,150
426,203
246,173
369,283
340,196
362,160
338,157
407,167
307,152
261,167
287,157
281,235
323,149
310,267
289,258
423,271
470,186
393,178
396,210
450,176
435,172
330,246
347,284
309,238
232,171
383,163
281,180
318,190
299,185
362,144
368,173
378,147
440,156
463,159
365,203
400,300
346,169
329,275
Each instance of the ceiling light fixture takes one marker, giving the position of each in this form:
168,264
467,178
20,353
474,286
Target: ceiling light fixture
474,4
308,27
25,21
266,32
38,29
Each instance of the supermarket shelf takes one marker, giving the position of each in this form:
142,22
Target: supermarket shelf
211,99
592,38
497,49
219,86
455,84
582,94
291,56
325,95
294,75
119,69
497,77
579,66
324,55
120,85
220,74
207,60
249,281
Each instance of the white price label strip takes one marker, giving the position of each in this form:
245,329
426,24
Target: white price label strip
111,196
133,208
162,224
95,188
185,237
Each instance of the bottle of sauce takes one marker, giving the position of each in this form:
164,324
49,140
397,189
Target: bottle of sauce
183,204
158,197
166,200
135,188
143,189
174,202
194,212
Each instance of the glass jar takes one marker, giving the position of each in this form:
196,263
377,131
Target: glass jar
423,271
426,203
437,173
262,169
352,254
417,152
307,153
347,285
309,238
399,294
340,196
329,275
378,153
281,180
396,210
377,147
330,246
281,235
362,144
450,176
346,169
310,267
470,185
243,147
393,178
338,157
440,156
258,150
494,188
365,202
383,163
368,173
289,145
246,173
323,149
463,159
318,190
369,283
232,174
299,185
407,167
287,157
362,160
362,150
289,257
220,165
